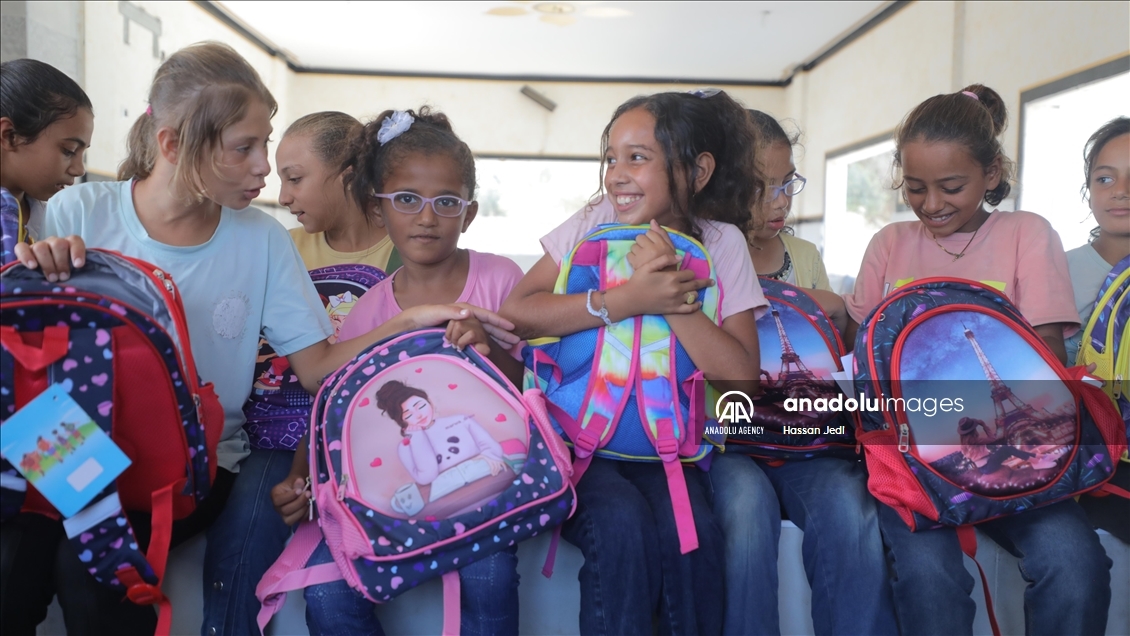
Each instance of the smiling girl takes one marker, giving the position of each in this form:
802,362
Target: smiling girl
951,164
686,162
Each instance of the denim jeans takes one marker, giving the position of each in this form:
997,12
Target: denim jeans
1067,571
827,498
625,527
242,543
488,600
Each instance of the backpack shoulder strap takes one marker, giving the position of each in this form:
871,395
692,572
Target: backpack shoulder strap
290,572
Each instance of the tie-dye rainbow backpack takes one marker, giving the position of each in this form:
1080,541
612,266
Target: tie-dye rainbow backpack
423,459
629,391
278,408
114,336
1106,338
800,349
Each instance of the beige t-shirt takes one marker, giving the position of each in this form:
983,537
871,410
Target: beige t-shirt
316,252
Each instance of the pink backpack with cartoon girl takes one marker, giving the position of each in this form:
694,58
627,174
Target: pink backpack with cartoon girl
423,459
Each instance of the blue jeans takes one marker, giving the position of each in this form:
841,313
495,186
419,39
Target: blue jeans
625,527
488,600
242,543
1067,571
827,498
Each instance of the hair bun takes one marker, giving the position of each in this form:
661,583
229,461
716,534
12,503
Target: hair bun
993,102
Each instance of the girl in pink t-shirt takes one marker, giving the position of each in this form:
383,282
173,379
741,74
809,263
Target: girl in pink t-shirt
951,162
684,161
417,178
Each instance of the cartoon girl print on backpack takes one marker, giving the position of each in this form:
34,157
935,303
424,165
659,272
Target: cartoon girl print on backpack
438,451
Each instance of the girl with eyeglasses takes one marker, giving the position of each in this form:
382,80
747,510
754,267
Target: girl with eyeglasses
826,497
416,179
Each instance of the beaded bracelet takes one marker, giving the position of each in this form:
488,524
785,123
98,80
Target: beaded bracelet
603,313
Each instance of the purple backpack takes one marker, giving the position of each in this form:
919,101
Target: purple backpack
423,459
278,408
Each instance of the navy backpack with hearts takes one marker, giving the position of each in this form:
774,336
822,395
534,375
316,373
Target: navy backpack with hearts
114,336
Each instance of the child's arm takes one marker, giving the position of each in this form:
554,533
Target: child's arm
471,332
1052,333
850,330
537,312
315,362
834,307
728,356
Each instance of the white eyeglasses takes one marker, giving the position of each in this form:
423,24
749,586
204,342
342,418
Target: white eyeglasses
412,203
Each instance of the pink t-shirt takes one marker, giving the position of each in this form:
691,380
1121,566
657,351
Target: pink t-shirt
724,242
1018,253
489,280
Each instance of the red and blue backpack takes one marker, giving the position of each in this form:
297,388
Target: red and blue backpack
800,349
278,408
628,391
398,504
114,336
969,416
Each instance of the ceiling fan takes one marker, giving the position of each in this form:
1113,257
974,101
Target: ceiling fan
558,13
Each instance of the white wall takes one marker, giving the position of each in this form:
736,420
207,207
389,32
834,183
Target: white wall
493,117
927,48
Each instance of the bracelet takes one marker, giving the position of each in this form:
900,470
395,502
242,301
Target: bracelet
603,313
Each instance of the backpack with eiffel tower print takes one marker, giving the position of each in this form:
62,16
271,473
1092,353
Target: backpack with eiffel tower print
967,415
798,414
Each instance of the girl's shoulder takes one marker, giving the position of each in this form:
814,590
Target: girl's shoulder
797,246
84,196
487,264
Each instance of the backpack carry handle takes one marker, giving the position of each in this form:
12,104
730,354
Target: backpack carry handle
30,357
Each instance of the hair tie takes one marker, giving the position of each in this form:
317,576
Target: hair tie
394,126
149,110
971,94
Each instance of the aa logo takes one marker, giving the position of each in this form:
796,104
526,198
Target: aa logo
734,407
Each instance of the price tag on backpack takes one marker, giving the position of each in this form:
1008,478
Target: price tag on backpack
59,449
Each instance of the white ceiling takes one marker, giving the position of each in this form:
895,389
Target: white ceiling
734,41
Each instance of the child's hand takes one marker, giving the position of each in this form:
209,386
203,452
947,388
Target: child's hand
53,255
499,328
658,289
650,245
291,499
468,331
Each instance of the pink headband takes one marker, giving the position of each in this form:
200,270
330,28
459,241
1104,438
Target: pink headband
971,94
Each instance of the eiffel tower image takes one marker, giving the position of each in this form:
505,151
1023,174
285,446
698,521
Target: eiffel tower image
1019,422
792,368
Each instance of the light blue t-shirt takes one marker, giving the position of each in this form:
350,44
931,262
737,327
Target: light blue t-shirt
247,278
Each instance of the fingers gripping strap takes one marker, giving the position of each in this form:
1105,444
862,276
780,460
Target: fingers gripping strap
967,537
289,572
451,603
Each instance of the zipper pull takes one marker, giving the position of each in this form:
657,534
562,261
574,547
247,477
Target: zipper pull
341,486
310,499
161,275
904,438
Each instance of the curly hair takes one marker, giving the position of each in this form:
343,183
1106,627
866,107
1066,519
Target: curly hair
687,125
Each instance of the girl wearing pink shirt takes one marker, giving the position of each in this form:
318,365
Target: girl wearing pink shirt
951,163
417,179
687,162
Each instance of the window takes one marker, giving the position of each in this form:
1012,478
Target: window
1056,121
858,202
521,200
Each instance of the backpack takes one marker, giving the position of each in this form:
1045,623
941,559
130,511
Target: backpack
800,349
115,337
1106,335
11,228
629,391
279,408
967,416
399,507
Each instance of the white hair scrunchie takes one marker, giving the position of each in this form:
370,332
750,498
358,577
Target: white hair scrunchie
394,126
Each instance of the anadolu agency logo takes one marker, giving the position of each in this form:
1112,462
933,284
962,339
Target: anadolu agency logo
735,415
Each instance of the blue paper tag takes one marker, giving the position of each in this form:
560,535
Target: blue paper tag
59,449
